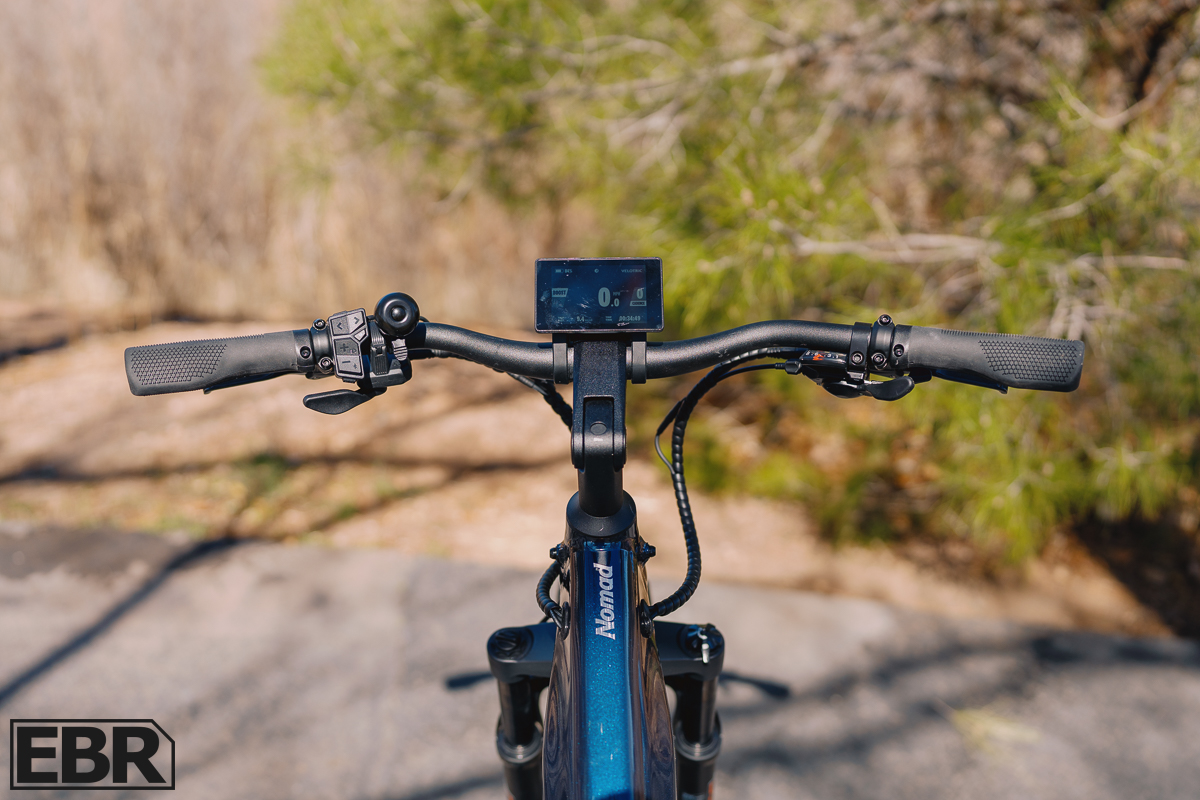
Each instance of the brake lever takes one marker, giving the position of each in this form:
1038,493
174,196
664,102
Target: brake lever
888,390
829,371
339,401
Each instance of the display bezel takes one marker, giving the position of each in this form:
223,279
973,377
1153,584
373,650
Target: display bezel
654,295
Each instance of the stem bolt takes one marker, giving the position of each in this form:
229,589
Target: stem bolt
326,364
885,319
879,360
856,359
319,324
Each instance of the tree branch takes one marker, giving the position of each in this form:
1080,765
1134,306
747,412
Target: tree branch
909,248
1134,111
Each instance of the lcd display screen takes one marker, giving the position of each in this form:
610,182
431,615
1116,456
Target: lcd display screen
599,294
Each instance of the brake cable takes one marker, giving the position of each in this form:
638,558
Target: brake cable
679,414
675,409
550,394
545,388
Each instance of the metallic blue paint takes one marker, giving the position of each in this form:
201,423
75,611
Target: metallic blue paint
608,729
606,724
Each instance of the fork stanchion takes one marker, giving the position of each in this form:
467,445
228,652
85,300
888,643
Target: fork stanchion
519,739
697,736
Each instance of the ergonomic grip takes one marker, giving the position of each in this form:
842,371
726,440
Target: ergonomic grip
1020,362
210,363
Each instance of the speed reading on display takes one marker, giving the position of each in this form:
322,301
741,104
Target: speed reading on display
605,296
599,294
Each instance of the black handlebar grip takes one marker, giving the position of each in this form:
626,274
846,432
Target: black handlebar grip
209,363
1020,362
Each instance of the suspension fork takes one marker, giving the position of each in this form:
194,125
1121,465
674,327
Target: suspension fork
520,661
521,658
692,658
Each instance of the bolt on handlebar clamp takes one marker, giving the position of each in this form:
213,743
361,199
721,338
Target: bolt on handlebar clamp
872,351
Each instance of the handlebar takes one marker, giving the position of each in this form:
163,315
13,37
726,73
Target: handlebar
531,359
987,359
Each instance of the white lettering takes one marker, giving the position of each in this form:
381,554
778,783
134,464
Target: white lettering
606,621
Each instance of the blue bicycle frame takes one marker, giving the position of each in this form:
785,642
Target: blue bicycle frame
608,731
608,726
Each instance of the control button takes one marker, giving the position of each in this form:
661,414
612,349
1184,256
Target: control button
349,365
347,322
360,334
346,347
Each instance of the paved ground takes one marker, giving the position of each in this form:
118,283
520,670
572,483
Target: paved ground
310,672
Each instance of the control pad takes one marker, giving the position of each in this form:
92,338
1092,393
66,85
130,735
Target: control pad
348,329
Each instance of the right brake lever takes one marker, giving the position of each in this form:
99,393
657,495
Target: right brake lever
888,390
828,370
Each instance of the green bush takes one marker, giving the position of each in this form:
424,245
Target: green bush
811,159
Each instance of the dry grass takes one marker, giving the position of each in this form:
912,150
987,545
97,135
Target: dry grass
145,174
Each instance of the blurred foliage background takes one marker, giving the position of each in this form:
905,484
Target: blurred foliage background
1021,167
145,174
1026,167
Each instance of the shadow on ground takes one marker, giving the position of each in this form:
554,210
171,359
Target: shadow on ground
92,553
1156,561
844,698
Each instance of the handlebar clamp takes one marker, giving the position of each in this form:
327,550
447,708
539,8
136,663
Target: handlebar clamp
870,349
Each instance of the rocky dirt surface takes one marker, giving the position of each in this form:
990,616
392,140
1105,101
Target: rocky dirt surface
461,463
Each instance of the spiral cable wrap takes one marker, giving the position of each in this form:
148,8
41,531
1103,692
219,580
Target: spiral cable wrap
691,541
550,608
680,414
